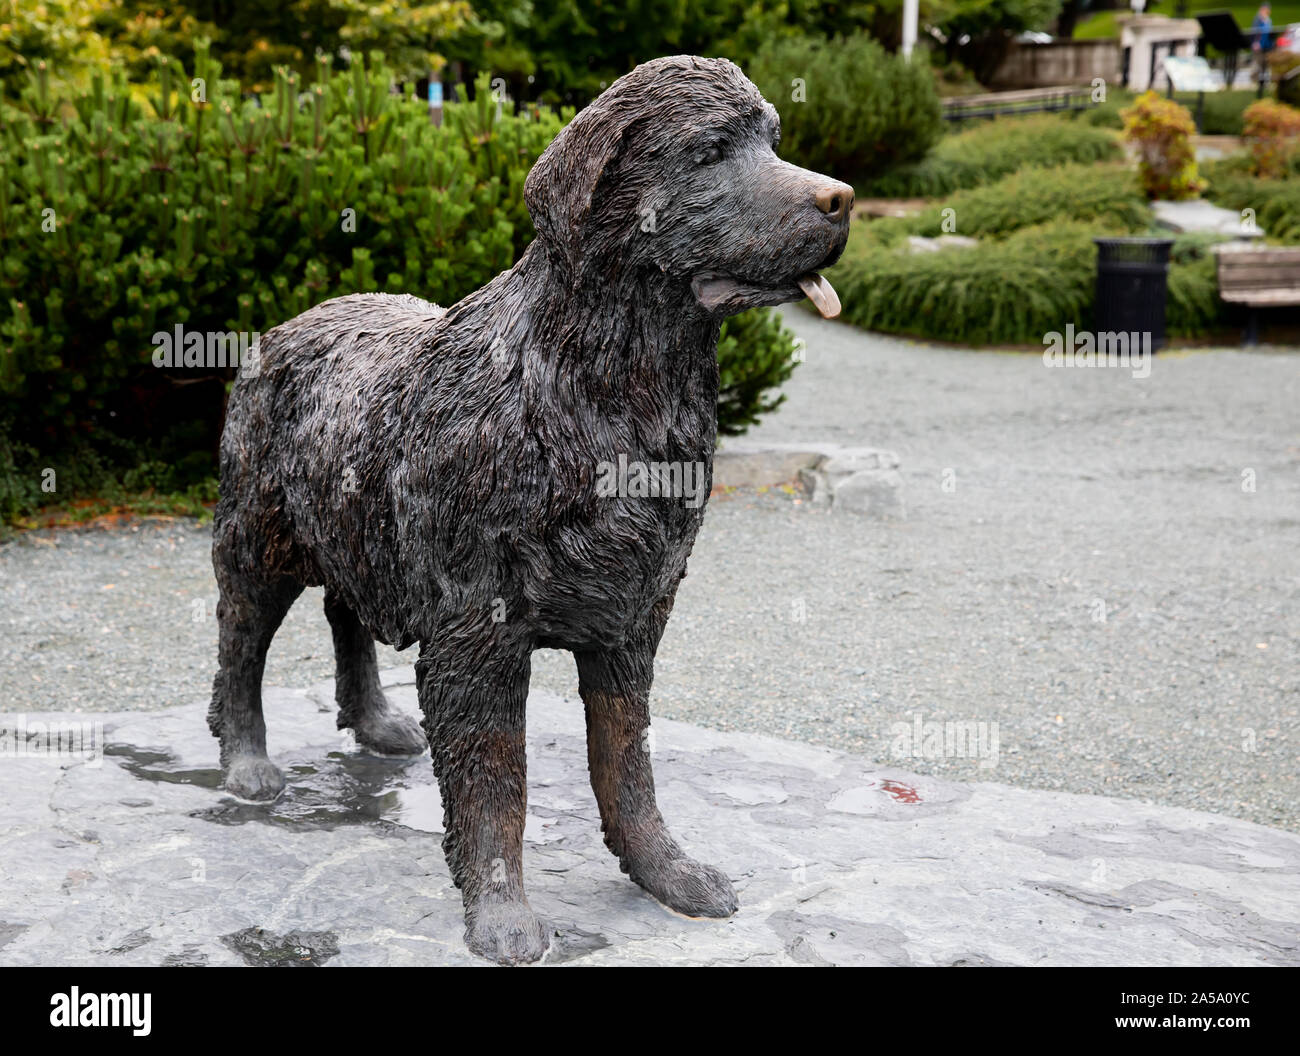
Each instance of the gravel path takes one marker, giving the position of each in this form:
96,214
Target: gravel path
1072,495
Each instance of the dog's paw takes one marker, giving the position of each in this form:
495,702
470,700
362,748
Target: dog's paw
506,932
687,886
254,777
387,731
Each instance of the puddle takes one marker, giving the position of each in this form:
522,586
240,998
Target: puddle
418,807
343,789
297,949
152,766
338,788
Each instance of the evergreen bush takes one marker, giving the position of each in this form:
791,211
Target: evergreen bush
993,149
848,107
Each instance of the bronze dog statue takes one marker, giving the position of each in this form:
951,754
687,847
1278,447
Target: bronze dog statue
436,470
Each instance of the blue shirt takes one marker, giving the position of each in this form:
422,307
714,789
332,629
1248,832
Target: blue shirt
1266,37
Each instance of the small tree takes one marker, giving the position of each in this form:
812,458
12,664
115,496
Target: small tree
1162,131
1272,131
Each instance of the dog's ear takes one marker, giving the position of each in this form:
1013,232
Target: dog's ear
560,188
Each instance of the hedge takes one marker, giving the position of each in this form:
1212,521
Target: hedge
1003,291
1108,195
1032,271
985,153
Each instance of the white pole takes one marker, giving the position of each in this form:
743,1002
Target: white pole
909,26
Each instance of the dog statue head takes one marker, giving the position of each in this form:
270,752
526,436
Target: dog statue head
672,171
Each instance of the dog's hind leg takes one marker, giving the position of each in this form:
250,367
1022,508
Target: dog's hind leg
473,698
378,726
615,689
249,611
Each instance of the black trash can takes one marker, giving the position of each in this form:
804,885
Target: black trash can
1132,281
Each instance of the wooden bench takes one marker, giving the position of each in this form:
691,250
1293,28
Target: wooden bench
1258,277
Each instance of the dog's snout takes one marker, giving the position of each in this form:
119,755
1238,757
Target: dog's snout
835,200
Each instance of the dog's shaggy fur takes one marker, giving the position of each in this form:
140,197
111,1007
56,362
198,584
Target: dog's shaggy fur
435,470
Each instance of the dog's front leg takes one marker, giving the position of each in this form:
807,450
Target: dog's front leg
474,715
615,689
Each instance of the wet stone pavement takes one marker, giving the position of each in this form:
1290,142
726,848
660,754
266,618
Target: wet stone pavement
135,857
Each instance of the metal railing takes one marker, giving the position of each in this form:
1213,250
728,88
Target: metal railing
1024,101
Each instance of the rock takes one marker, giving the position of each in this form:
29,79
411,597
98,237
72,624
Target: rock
856,459
862,480
837,859
1198,215
858,480
876,493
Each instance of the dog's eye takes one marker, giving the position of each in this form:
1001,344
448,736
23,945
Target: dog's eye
709,156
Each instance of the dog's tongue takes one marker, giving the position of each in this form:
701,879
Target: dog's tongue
821,293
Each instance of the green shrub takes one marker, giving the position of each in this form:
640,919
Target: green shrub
755,354
1222,113
1106,195
1230,167
1006,291
848,107
988,151
1191,246
118,220
146,476
1275,203
1011,290
229,215
887,232
1106,115
1192,304
1033,270
20,479
952,79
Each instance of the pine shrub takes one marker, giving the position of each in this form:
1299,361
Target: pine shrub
1108,195
989,151
1001,291
848,107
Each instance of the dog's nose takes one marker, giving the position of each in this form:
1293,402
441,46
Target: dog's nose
835,200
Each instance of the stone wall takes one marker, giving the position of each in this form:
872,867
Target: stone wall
1058,63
